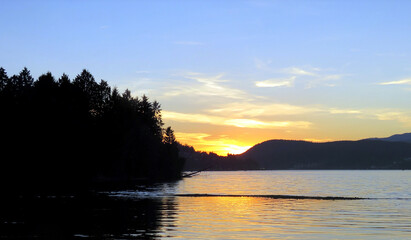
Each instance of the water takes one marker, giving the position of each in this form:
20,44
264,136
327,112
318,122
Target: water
155,212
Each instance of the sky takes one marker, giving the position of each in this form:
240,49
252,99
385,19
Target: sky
231,74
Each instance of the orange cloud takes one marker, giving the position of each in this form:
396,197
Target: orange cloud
242,123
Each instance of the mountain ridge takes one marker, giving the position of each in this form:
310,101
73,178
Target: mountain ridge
383,153
275,154
404,137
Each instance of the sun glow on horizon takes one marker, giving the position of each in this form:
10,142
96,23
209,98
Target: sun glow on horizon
220,145
238,149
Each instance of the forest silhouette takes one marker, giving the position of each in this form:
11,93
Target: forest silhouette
72,135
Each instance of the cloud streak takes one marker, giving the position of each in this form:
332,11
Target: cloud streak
262,109
399,116
251,123
289,82
298,71
311,77
209,86
233,122
344,111
399,82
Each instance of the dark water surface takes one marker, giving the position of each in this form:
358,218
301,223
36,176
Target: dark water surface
226,205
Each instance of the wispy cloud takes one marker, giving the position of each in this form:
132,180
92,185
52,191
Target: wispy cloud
310,77
331,77
225,121
139,86
289,82
193,138
193,118
402,117
299,71
264,110
204,86
261,109
406,81
261,64
250,123
344,111
323,80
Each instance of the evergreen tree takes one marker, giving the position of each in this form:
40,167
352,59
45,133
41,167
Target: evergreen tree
85,81
127,95
102,97
87,85
169,137
4,79
46,82
157,119
25,80
64,81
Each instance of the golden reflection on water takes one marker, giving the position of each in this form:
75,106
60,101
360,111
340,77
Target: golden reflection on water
237,217
187,211
265,218
217,217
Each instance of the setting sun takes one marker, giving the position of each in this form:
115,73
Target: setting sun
220,145
238,149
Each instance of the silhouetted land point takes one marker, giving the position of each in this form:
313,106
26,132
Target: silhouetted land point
63,135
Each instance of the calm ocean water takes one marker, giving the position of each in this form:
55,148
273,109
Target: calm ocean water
385,215
155,212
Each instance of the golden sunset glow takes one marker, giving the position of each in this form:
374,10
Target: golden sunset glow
238,149
249,81
229,119
207,143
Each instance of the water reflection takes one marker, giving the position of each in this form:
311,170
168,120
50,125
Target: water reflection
162,211
265,218
94,216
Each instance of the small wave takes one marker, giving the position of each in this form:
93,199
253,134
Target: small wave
160,194
133,194
273,196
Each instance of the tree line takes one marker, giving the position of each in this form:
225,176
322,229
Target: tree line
72,134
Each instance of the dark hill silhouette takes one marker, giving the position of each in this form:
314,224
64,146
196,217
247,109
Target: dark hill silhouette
363,154
375,153
405,137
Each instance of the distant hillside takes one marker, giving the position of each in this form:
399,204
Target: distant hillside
364,154
406,137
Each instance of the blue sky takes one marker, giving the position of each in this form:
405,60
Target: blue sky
231,73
